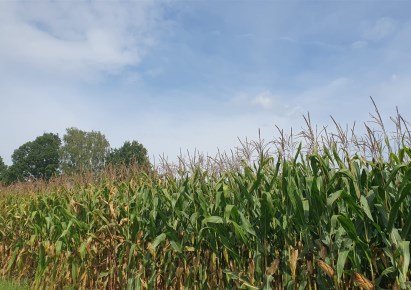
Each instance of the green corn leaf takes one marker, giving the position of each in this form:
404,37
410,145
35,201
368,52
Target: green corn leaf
74,273
247,285
365,206
104,274
404,247
406,229
176,246
213,220
384,273
396,158
158,240
247,225
131,253
383,213
338,159
13,258
240,233
297,154
314,164
394,210
59,245
401,155
333,197
83,250
231,213
349,227
217,200
342,258
393,174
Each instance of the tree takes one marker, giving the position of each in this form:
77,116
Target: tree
83,151
3,171
38,159
129,153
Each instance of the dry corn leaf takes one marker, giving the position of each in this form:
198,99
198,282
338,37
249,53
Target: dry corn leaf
273,267
151,249
179,271
293,261
310,268
362,281
251,269
326,268
112,211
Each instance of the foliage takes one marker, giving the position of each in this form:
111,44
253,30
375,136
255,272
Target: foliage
315,221
130,153
38,159
328,214
83,151
10,285
3,170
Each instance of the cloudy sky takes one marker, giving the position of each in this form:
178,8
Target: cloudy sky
197,74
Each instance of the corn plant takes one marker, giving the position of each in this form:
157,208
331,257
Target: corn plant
314,216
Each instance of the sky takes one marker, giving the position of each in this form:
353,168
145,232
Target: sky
185,75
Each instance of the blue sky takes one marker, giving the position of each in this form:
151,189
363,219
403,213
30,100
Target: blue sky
180,75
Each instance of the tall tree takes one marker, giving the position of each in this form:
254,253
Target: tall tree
83,151
38,159
130,153
3,171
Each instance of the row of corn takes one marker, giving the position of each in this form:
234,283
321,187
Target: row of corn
319,221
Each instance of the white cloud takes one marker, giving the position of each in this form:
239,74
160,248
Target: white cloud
48,46
382,28
263,100
81,39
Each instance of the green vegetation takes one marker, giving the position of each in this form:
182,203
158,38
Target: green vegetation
3,170
276,224
38,159
83,151
128,154
310,216
8,285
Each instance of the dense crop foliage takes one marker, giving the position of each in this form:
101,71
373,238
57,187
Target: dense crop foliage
318,210
316,221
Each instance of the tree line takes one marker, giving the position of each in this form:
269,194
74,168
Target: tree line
77,152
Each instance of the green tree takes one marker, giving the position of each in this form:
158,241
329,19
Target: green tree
3,171
38,159
83,151
130,153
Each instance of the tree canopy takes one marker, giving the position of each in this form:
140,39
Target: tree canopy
3,170
80,151
130,153
38,159
83,151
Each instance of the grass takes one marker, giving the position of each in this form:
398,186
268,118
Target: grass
9,285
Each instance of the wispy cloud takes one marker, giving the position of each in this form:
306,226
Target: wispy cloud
380,29
263,100
185,74
82,39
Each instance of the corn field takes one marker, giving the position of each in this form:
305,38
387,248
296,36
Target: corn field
322,219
